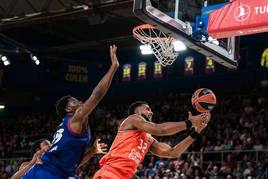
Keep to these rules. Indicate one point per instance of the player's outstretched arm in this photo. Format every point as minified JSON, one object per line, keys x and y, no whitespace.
{"x":100,"y":90}
{"x":168,"y":128}
{"x":26,"y":166}
{"x":164,"y":150}
{"x":97,"y":148}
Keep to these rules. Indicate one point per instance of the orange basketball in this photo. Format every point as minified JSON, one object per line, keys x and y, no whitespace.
{"x":203,"y":100}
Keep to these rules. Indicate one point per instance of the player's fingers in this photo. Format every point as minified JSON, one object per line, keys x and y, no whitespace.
{"x":189,"y":114}
{"x":103,"y":144}
{"x":205,"y":115}
{"x":103,"y":152}
{"x":205,"y":119}
{"x":104,"y":149}
{"x":111,"y":49}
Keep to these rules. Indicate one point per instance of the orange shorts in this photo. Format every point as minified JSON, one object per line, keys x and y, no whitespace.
{"x":107,"y":172}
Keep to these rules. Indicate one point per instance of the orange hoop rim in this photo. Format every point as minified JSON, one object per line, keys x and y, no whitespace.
{"x":142,"y":37}
{"x":143,"y":26}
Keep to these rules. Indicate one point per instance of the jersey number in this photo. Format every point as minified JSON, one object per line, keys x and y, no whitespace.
{"x":57,"y":136}
{"x":142,"y":146}
{"x":56,"y":139}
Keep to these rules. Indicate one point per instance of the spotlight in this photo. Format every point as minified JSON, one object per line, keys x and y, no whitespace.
{"x":6,"y":63}
{"x":35,"y":59}
{"x":2,"y":106}
{"x":5,"y":60}
{"x":146,"y":50}
{"x":37,"y":62}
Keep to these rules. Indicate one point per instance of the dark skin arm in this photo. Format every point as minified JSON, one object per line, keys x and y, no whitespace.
{"x":164,"y":150}
{"x":81,"y":115}
{"x":164,"y":129}
{"x":26,"y":166}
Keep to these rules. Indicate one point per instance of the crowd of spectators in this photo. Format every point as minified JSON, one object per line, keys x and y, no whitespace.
{"x":234,"y":145}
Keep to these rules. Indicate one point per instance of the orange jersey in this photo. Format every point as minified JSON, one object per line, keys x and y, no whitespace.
{"x":127,"y":151}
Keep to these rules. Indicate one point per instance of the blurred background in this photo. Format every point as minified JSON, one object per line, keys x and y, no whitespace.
{"x":53,"y":48}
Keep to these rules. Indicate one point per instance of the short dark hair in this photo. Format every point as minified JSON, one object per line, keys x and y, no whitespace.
{"x":36,"y":146}
{"x":61,"y":105}
{"x":133,"y":106}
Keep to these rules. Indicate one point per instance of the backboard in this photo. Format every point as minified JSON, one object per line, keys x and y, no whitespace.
{"x":180,"y":19}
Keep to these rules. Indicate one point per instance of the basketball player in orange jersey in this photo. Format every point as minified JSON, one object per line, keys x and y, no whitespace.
{"x":134,"y":140}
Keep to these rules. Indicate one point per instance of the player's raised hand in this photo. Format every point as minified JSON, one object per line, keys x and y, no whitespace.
{"x":113,"y":49}
{"x":100,"y":148}
{"x":199,"y":121}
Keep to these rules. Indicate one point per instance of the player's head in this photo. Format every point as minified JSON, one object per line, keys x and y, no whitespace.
{"x":67,"y":104}
{"x":45,"y":145}
{"x":142,"y":108}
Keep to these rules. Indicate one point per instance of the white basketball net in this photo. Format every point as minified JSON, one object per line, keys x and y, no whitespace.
{"x":160,"y":43}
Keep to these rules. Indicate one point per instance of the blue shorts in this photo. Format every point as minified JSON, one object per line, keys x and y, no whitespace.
{"x":38,"y":171}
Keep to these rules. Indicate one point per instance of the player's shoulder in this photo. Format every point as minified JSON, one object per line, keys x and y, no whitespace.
{"x":133,"y":118}
{"x":127,"y":123}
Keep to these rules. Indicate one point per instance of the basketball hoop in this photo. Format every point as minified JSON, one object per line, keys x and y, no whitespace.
{"x":160,"y":43}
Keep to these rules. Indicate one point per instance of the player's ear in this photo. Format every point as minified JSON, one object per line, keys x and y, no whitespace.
{"x":137,"y":111}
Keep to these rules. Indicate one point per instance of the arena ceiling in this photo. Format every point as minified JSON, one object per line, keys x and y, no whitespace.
{"x":63,"y":29}
{"x":55,"y":28}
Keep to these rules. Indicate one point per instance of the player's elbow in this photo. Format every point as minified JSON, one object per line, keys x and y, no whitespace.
{"x":173,"y":154}
{"x":98,"y":94}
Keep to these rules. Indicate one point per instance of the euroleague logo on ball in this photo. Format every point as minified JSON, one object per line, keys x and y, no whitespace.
{"x":242,"y":13}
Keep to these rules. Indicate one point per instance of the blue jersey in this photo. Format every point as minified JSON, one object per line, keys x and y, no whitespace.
{"x":66,"y":151}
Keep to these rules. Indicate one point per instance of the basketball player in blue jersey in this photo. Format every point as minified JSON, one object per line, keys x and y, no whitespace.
{"x":43,"y":145}
{"x":73,"y":134}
